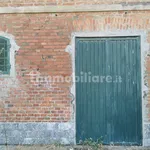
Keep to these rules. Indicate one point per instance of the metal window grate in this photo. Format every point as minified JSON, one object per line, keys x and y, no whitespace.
{"x":4,"y":56}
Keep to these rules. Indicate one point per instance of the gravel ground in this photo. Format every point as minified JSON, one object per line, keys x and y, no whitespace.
{"x":52,"y":147}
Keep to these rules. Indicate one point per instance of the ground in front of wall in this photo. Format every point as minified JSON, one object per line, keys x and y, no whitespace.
{"x":52,"y":147}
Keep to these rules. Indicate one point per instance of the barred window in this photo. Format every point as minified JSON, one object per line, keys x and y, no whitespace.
{"x":4,"y":56}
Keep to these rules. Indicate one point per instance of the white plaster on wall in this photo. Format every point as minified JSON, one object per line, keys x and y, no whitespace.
{"x":5,"y":85}
{"x":144,"y":53}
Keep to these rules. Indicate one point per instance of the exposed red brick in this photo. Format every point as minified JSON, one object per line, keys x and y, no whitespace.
{"x":42,"y":39}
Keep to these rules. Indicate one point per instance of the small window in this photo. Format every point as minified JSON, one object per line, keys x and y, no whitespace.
{"x":4,"y":56}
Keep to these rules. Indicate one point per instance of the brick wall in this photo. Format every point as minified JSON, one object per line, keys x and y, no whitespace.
{"x":42,"y":39}
{"x":4,"y":3}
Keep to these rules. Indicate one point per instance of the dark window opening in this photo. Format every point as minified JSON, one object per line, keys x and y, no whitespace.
{"x":4,"y":56}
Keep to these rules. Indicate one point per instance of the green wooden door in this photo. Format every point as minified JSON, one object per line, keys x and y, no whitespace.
{"x":108,"y":94}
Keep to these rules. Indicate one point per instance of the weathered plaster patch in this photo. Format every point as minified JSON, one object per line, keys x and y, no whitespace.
{"x":72,"y":89}
{"x":78,"y":8}
{"x":5,"y":85}
{"x":144,"y":53}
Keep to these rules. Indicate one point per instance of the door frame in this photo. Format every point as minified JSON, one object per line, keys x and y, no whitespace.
{"x":144,"y":88}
